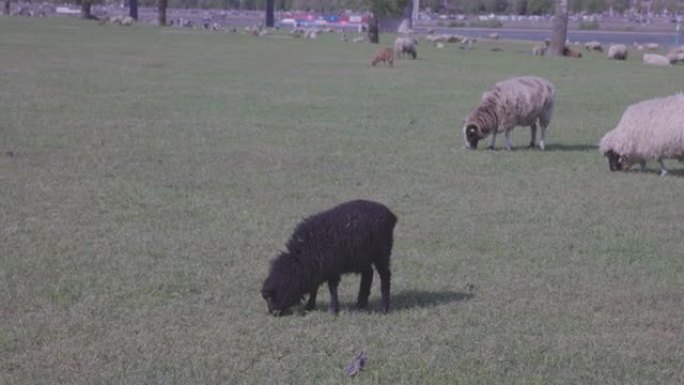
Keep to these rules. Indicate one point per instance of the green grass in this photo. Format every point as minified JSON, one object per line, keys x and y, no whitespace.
{"x":148,"y":176}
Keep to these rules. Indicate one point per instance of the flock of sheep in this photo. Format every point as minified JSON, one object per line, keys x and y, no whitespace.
{"x":620,"y":52}
{"x":648,"y":130}
{"x":357,"y":236}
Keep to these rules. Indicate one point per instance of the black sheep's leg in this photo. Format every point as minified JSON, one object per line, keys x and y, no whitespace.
{"x":533,"y":129}
{"x":334,"y":301}
{"x":384,"y":273}
{"x":364,"y":289}
{"x":311,"y":304}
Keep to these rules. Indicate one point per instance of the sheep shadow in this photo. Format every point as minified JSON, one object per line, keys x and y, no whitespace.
{"x":572,"y":147}
{"x":407,"y":299}
{"x":410,"y":299}
{"x":656,"y":171}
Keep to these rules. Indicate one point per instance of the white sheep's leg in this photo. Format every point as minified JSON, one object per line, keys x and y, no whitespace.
{"x":663,"y":170}
{"x":507,"y":135}
{"x":542,"y":140}
{"x":533,"y":129}
{"x":491,"y":146}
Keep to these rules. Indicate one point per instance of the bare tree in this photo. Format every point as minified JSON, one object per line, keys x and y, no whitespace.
{"x":7,"y":7}
{"x":162,"y":12}
{"x":560,"y":28}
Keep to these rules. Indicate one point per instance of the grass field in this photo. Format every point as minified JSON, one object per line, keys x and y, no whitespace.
{"x":148,"y":176}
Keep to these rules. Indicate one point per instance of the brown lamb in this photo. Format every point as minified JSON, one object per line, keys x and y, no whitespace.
{"x":385,"y":55}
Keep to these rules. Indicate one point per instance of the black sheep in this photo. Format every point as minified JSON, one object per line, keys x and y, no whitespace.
{"x":348,"y":238}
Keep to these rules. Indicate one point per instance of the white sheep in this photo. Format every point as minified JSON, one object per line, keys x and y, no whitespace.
{"x":593,"y":46}
{"x":655,"y":59}
{"x":519,"y":101}
{"x":404,"y":45}
{"x":127,"y":20}
{"x":539,"y":50}
{"x":676,"y":55}
{"x":617,"y":52}
{"x":648,"y":130}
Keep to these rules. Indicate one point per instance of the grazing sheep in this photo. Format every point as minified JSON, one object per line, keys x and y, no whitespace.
{"x":493,"y":36}
{"x":519,"y":101}
{"x":652,"y":46}
{"x":571,"y":52}
{"x":655,"y":59}
{"x":593,"y":46}
{"x":385,"y":55}
{"x":539,"y":50}
{"x":349,"y":238}
{"x":445,"y":38}
{"x":648,"y":130}
{"x":359,"y":39}
{"x":404,"y":45}
{"x":127,"y":21}
{"x":116,"y":19}
{"x":617,"y":52}
{"x":676,"y":55}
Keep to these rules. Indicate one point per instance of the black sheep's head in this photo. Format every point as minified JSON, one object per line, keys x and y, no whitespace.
{"x":281,"y":289}
{"x":472,"y":135}
{"x":614,"y":160}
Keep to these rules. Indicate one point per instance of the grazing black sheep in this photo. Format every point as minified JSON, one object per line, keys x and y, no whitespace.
{"x":348,"y":238}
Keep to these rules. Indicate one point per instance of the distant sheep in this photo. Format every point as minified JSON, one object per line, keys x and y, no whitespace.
{"x":404,"y":45}
{"x":539,"y":50}
{"x":655,"y":59}
{"x":349,"y":238}
{"x":617,"y":52}
{"x":359,"y":39}
{"x":571,"y":52}
{"x":676,"y":55}
{"x":593,"y":46}
{"x":648,"y":130}
{"x":385,"y":55}
{"x":652,"y":46}
{"x":519,"y":101}
{"x":445,"y":38}
{"x":493,"y":36}
{"x":127,"y":21}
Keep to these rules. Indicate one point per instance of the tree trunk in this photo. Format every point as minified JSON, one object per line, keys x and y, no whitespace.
{"x":270,"y":5}
{"x":373,"y":30}
{"x":85,"y":9}
{"x":7,"y":7}
{"x":560,"y":28}
{"x":162,"y":12}
{"x":414,"y":13}
{"x":133,"y":9}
